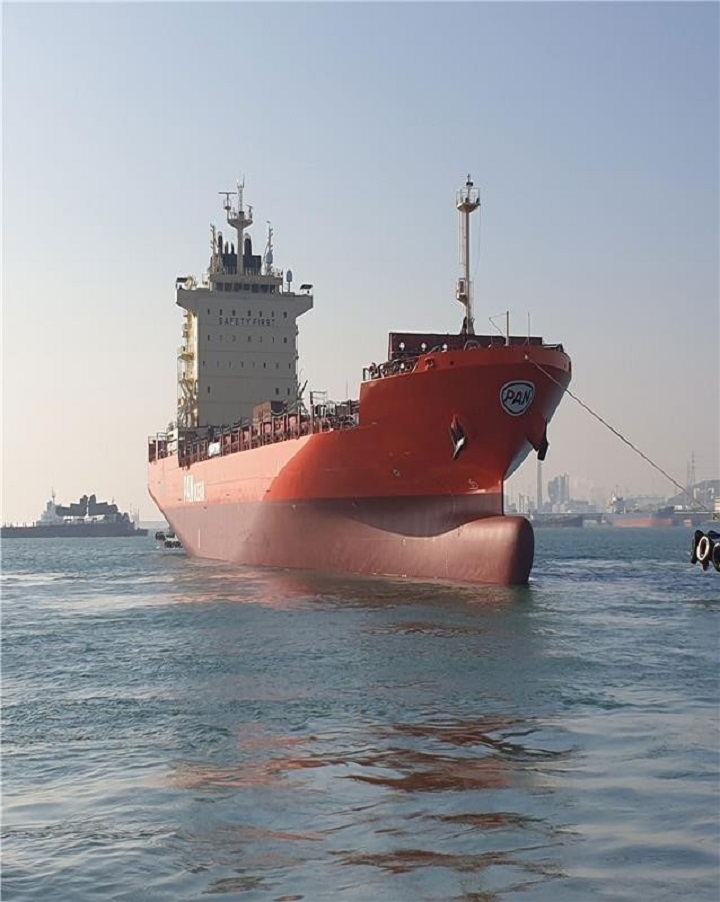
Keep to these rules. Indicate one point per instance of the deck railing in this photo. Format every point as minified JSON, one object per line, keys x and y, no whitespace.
{"x":192,"y":447}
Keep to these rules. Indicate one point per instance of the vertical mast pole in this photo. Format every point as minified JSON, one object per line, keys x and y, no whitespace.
{"x":467,"y":202}
{"x":468,"y":304}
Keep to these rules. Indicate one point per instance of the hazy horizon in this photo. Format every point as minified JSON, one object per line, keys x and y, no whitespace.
{"x":591,"y":130}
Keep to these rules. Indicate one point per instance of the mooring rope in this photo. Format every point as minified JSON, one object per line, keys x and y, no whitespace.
{"x":684,"y":491}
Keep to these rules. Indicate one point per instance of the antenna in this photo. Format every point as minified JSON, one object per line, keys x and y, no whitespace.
{"x":227,"y":206}
{"x":238,"y":219}
{"x":468,"y":200}
{"x":691,"y":478}
{"x":269,"y":250}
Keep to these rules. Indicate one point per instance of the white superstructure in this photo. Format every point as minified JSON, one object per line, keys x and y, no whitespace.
{"x":239,"y":345}
{"x":50,"y":516}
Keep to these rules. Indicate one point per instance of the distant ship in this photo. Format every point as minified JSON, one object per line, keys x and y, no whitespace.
{"x":87,"y":518}
{"x":557,"y":520}
{"x":407,"y":480}
{"x":620,"y":514}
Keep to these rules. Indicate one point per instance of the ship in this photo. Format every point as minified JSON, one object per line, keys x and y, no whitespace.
{"x":557,"y":520}
{"x":86,"y":518}
{"x":406,"y":480}
{"x":625,"y":515}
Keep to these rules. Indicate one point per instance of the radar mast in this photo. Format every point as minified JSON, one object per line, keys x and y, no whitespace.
{"x":238,"y":218}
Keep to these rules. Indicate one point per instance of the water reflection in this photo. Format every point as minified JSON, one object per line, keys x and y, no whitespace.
{"x":450,"y":795}
{"x":201,"y":581}
{"x":494,"y":734}
{"x":401,"y":861}
{"x":375,"y":735}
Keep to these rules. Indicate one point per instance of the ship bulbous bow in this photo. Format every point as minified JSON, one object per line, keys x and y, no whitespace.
{"x":419,"y":538}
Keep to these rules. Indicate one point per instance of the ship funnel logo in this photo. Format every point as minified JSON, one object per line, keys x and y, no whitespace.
{"x":516,"y":397}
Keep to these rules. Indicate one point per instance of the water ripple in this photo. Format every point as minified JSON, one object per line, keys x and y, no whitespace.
{"x":174,"y":730}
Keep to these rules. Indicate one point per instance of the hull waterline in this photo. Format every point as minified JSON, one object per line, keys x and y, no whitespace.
{"x":415,"y":537}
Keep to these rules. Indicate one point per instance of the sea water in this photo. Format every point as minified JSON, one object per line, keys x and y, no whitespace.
{"x":177,"y":729}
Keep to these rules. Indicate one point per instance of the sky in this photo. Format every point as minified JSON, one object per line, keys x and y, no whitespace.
{"x":591,"y":130}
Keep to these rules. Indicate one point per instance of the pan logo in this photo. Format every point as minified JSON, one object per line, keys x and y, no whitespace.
{"x":516,"y":397}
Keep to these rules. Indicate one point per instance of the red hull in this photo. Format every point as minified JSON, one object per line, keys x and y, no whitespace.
{"x":387,"y":496}
{"x":372,"y":537}
{"x":648,"y":522}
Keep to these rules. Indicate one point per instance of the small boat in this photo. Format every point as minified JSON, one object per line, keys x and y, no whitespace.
{"x":172,"y":541}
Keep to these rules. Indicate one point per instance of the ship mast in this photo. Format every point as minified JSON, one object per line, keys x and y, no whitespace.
{"x":468,"y":200}
{"x":239,"y":219}
{"x":268,"y":258}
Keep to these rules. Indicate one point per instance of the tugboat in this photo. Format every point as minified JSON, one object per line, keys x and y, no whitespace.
{"x":406,"y":480}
